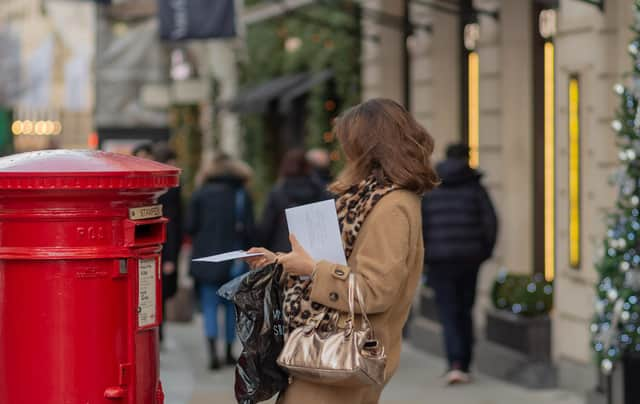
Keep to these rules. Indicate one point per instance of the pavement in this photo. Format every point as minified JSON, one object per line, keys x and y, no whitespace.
{"x":418,"y":381}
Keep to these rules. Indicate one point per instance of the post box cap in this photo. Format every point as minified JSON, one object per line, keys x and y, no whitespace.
{"x":83,"y":169}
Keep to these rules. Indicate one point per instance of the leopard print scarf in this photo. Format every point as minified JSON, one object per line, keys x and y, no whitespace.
{"x":353,"y":206}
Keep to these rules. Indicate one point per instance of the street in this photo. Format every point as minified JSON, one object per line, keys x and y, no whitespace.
{"x":186,"y":381}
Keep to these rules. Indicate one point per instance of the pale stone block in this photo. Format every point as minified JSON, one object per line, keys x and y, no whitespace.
{"x":579,"y":16}
{"x":602,"y":144}
{"x":155,"y":95}
{"x":422,"y":99}
{"x":190,"y":91}
{"x":516,"y":217}
{"x":571,"y":339}
{"x":573,"y":297}
{"x":489,"y":94}
{"x":370,"y":50}
{"x":491,"y":162}
{"x":490,"y":126}
{"x":446,"y":111}
{"x":421,"y":69}
{"x":489,"y":59}
{"x":371,"y":92}
{"x":571,"y":55}
{"x":371,"y":74}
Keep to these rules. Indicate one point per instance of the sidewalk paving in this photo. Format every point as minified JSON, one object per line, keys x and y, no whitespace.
{"x":186,"y":380}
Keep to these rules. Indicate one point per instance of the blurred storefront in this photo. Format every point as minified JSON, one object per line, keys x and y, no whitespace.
{"x":528,"y":84}
{"x":47,"y":83}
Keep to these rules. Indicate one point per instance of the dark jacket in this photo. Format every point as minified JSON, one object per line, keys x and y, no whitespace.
{"x":289,"y":193}
{"x":213,"y":224}
{"x":172,"y":210}
{"x":459,"y":221}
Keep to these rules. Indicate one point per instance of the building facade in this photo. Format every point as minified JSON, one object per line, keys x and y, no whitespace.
{"x":528,"y":84}
{"x":47,"y":79}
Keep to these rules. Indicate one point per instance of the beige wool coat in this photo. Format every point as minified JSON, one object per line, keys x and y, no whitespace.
{"x":388,"y":259}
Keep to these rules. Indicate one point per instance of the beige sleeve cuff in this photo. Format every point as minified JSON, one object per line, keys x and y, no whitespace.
{"x":330,"y":287}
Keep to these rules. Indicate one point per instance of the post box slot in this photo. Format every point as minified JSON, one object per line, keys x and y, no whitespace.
{"x":147,"y":232}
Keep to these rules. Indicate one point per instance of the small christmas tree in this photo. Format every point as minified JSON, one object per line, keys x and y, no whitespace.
{"x":616,"y":326}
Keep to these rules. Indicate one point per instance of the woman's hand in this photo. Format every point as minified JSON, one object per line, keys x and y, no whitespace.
{"x":298,"y":261}
{"x":260,"y":261}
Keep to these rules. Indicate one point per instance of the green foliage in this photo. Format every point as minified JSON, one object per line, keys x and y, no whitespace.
{"x":328,"y":34}
{"x":524,"y":295}
{"x":186,"y":139}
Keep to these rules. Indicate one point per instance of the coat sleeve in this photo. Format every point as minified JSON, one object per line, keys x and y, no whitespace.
{"x":249,"y":222}
{"x":489,"y":221}
{"x":193,"y":215}
{"x":269,"y":221}
{"x":380,"y":264}
{"x":173,"y":243}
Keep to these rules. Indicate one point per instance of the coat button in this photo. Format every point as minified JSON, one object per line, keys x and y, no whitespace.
{"x":333,"y":296}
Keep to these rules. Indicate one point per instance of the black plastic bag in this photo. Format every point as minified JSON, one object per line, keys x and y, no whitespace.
{"x":257,"y":296}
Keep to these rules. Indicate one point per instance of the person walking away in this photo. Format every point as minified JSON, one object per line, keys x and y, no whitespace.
{"x":143,"y":150}
{"x":320,"y":163}
{"x":295,"y":187}
{"x":171,"y":209}
{"x":220,"y":220}
{"x":459,"y":229}
{"x":387,"y":171}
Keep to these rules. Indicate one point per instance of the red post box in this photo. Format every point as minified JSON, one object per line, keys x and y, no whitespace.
{"x":80,"y":278}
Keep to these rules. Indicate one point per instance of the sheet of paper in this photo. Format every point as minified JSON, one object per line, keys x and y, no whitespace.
{"x":316,"y":228}
{"x":229,"y":256}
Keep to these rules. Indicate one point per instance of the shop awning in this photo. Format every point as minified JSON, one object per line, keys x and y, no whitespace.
{"x":283,"y":90}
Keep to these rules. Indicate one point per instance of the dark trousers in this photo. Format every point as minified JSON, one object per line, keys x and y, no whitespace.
{"x":455,"y":289}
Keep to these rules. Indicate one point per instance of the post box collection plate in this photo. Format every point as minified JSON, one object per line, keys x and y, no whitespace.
{"x":147,"y":298}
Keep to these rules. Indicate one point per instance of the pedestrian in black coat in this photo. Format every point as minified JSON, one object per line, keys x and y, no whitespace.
{"x":295,"y":187}
{"x":171,"y":209}
{"x":459,"y":230}
{"x":220,"y":220}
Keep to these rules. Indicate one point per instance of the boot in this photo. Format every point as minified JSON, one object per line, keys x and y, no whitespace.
{"x":214,"y":363}
{"x":231,"y":360}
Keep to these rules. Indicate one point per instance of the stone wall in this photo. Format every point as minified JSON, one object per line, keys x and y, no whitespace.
{"x":588,"y":43}
{"x":591,"y":45}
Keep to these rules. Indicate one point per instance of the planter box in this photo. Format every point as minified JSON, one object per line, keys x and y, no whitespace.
{"x":529,"y":336}
{"x":428,"y":307}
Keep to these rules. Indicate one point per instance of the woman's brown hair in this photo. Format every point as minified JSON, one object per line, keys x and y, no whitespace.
{"x":379,"y":137}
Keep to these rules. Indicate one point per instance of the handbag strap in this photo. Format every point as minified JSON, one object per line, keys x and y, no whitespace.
{"x":356,"y":294}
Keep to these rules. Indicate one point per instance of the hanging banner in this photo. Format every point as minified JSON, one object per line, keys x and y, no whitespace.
{"x":196,"y":19}
{"x":125,"y":63}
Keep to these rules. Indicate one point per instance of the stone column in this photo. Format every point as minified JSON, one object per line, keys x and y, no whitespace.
{"x":516,"y":218}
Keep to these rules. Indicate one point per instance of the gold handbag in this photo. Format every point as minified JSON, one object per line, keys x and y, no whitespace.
{"x":344,"y":357}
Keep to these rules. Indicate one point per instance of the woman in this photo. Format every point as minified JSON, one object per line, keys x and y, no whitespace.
{"x":220,"y":220}
{"x":295,"y":187}
{"x":388,"y":169}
